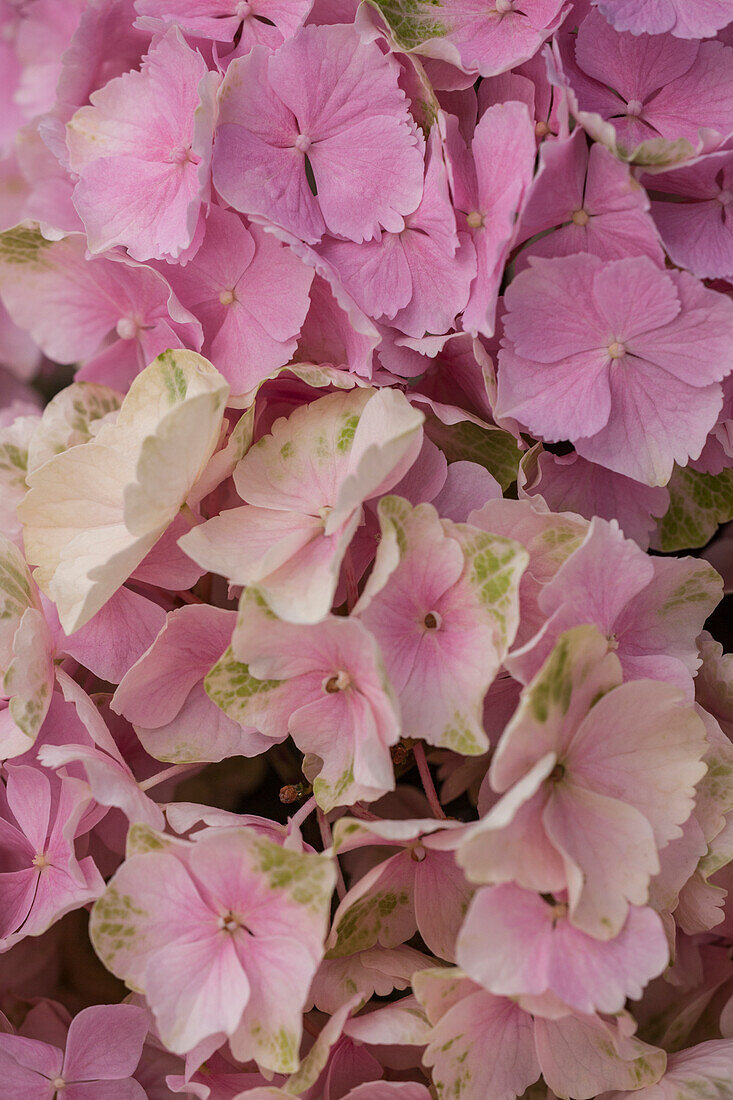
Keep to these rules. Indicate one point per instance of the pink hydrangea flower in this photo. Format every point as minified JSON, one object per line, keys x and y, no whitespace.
{"x":112,"y":317}
{"x":325,"y":685}
{"x":489,"y":197}
{"x":578,"y":1055}
{"x":102,"y":1050}
{"x":693,"y":210}
{"x":579,"y":812}
{"x":251,"y":295}
{"x":291,"y":536}
{"x":419,"y":278}
{"x":682,"y":18}
{"x":163,"y":693}
{"x":476,"y":37}
{"x":591,"y":202}
{"x":42,"y":878}
{"x":153,"y":130}
{"x":622,"y":359}
{"x":650,"y":87}
{"x":652,"y":614}
{"x":223,"y":935}
{"x":442,"y":603}
{"x":514,"y":942}
{"x":329,"y":101}
{"x":396,"y":898}
{"x":250,"y":22}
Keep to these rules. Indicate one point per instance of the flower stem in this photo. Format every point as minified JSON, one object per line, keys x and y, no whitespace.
{"x":427,"y":780}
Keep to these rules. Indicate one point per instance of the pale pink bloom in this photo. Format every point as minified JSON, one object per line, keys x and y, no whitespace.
{"x":569,"y":483}
{"x":11,"y":116}
{"x":112,"y":317}
{"x":223,"y":936}
{"x":443,"y":604}
{"x":650,"y":609}
{"x":696,"y":220}
{"x":399,"y":896}
{"x":331,"y":101}
{"x":515,"y":943}
{"x":682,"y":18}
{"x":102,"y":1050}
{"x":621,"y":358}
{"x":42,"y":35}
{"x":325,"y":685}
{"x":251,"y":22}
{"x":490,"y":1045}
{"x":291,"y":536}
{"x":41,"y":877}
{"x":702,"y":1070}
{"x":591,"y":202}
{"x":419,"y":278}
{"x":489,"y":183}
{"x":650,"y":87}
{"x":250,"y":293}
{"x":142,"y":152}
{"x":479,"y":37}
{"x":579,"y":811}
{"x":163,"y":694}
{"x":94,"y":512}
{"x":26,"y":655}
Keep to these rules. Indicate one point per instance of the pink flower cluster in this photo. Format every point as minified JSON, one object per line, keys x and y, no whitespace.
{"x":366,"y":451}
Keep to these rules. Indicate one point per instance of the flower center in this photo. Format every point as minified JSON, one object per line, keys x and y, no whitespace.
{"x":226,"y":297}
{"x":616,"y":350}
{"x":243,"y":9}
{"x":338,"y":682}
{"x":541,"y":129}
{"x":475,"y":219}
{"x":126,"y":328}
{"x":504,"y":6}
{"x":181,"y":155}
{"x":432,"y":621}
{"x":418,"y":852}
{"x":634,"y":108}
{"x":228,"y":922}
{"x":557,"y":773}
{"x":581,"y":217}
{"x":41,"y":860}
{"x":302,"y":143}
{"x":59,"y":1084}
{"x":725,"y":198}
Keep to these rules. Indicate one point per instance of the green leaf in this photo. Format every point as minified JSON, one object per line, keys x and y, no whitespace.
{"x":698,"y":504}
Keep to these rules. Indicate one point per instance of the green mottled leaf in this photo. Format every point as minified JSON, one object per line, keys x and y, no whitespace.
{"x":698,"y":504}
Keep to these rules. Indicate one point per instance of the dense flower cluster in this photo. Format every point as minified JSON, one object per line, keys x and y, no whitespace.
{"x":366,"y":408}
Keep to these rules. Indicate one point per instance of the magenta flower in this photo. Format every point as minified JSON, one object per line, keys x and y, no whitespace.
{"x":102,"y":1050}
{"x":590,"y":201}
{"x":622,"y":359}
{"x":251,"y":22}
{"x":651,"y":87}
{"x":693,"y":210}
{"x":328,"y":104}
{"x":682,"y":18}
